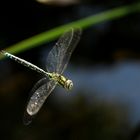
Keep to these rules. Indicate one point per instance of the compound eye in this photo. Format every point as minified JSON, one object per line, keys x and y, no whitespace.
{"x":69,"y":84}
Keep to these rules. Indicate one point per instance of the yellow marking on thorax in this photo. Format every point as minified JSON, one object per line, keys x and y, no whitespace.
{"x":62,"y":80}
{"x":58,"y":78}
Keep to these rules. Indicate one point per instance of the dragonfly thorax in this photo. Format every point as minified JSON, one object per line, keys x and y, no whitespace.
{"x":61,"y":80}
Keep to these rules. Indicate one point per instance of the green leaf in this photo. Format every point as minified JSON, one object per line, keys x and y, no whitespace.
{"x":86,"y":22}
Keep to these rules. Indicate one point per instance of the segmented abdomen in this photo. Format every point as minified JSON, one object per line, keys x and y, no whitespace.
{"x":24,"y":62}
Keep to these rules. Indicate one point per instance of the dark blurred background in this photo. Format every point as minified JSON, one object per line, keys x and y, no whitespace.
{"x":105,"y":69}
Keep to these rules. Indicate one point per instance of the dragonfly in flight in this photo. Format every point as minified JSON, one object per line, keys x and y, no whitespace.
{"x":57,"y":61}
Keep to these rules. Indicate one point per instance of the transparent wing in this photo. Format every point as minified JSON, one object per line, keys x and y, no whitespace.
{"x":60,"y":54}
{"x":41,"y":91}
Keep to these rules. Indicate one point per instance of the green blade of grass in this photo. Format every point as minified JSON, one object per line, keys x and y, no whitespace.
{"x":52,"y":34}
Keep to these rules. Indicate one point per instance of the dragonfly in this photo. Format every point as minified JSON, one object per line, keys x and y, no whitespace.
{"x":56,"y":63}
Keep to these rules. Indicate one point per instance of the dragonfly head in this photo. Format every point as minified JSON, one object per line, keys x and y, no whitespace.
{"x":69,"y":84}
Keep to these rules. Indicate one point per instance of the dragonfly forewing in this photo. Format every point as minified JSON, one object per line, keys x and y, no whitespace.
{"x":39,"y":95}
{"x":60,"y":54}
